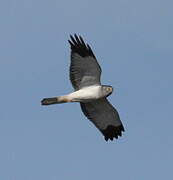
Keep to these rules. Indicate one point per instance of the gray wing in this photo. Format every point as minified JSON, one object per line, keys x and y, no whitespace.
{"x":104,"y":116}
{"x":84,"y":68}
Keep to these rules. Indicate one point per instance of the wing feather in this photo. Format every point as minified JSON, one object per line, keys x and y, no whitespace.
{"x":84,"y":68}
{"x":104,"y":116}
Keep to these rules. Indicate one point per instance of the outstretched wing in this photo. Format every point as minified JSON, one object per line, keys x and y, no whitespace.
{"x":104,"y":116}
{"x":84,"y":68}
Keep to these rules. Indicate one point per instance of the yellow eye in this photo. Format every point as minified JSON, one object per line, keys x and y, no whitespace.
{"x":109,"y":89}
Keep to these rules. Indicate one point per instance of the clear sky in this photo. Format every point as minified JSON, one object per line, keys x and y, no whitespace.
{"x":133,"y":42}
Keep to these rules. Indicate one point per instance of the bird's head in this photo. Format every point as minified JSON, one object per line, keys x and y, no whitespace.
{"x":107,"y":90}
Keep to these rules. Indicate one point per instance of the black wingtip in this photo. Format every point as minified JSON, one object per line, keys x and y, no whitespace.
{"x":112,"y":132}
{"x":78,"y":46}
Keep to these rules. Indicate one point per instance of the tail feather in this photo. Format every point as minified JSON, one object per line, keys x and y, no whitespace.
{"x":49,"y":101}
{"x":55,"y":100}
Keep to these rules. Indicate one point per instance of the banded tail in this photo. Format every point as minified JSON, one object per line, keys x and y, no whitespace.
{"x":55,"y":100}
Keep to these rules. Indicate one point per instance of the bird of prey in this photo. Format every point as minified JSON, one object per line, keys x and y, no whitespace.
{"x":85,"y":75}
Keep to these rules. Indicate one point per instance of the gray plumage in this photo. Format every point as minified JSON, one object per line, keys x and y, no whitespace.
{"x":85,"y":75}
{"x":84,"y":68}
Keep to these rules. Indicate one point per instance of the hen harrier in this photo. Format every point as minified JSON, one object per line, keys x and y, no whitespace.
{"x":85,"y":75}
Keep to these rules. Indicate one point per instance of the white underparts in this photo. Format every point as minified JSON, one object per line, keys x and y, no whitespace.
{"x":86,"y":94}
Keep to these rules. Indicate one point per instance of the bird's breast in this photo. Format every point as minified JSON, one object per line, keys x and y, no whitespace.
{"x":86,"y":94}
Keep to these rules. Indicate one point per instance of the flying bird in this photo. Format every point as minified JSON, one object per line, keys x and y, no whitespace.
{"x":85,"y":75}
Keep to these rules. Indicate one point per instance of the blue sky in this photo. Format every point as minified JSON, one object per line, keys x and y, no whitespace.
{"x":133,"y":43}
